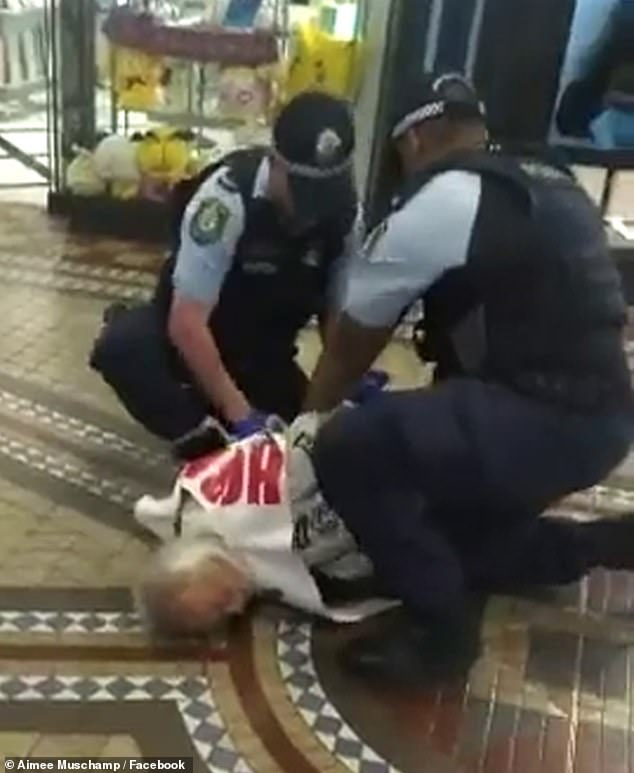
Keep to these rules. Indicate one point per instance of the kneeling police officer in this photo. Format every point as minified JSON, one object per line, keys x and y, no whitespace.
{"x":523,"y":319}
{"x":261,"y":241}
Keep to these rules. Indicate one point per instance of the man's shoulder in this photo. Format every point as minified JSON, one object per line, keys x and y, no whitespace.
{"x":221,"y":184}
{"x":450,"y":194}
{"x":448,"y":183}
{"x":216,"y":210}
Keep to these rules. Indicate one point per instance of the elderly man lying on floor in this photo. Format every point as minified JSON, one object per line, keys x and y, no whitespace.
{"x":251,"y":521}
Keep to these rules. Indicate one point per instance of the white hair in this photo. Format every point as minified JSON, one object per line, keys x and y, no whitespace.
{"x":171,"y":567}
{"x":185,"y":555}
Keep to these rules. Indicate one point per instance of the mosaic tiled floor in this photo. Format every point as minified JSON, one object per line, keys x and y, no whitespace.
{"x":553,"y":691}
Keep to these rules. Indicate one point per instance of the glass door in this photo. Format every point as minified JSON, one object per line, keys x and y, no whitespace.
{"x":24,"y":157}
{"x":146,"y":92}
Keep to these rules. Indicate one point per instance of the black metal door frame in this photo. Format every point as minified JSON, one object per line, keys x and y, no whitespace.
{"x":460,"y":35}
{"x":411,"y":25}
{"x":72,"y":81}
{"x":419,"y":35}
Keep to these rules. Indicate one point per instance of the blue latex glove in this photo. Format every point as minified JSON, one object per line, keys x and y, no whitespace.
{"x":371,"y":385}
{"x":254,"y":423}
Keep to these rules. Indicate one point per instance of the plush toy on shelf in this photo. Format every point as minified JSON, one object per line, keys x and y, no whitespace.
{"x":116,"y":164}
{"x":82,"y":178}
{"x":146,"y":165}
{"x":139,"y":79}
{"x":245,"y":93}
{"x":322,"y":62}
{"x":164,"y":157}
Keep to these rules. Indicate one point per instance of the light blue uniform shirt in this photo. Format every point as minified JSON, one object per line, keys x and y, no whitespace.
{"x":412,"y":249}
{"x":201,"y":268}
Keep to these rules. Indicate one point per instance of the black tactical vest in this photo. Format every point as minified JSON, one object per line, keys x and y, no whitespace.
{"x":278,"y":281}
{"x":538,"y":305}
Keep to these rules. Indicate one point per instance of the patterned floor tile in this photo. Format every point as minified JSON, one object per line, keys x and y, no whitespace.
{"x":192,"y":696}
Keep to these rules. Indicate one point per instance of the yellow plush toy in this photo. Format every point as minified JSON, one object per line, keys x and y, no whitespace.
{"x":165,"y":156}
{"x":321,"y":62}
{"x":138,"y":79}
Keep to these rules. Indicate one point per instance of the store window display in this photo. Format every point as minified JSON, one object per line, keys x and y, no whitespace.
{"x":209,"y":74}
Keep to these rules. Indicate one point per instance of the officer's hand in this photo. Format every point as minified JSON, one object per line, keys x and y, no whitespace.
{"x":371,"y":385}
{"x":254,"y":423}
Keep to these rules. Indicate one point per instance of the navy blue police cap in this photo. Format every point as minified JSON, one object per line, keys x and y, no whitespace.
{"x":314,"y":140}
{"x":425,"y":97}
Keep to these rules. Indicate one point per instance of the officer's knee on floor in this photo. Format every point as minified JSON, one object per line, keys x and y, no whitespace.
{"x":107,"y":350}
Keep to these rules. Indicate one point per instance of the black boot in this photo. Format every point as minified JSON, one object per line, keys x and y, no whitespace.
{"x":407,"y":653}
{"x":609,"y":542}
{"x":114,"y":310}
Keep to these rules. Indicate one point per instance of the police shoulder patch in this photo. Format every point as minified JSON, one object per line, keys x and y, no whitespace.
{"x":209,"y":221}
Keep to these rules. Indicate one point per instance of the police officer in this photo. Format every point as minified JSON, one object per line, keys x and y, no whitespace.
{"x":261,"y":240}
{"x":523,"y":319}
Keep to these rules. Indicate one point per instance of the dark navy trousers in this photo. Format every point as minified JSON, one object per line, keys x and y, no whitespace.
{"x":134,"y":357}
{"x":443,"y":488}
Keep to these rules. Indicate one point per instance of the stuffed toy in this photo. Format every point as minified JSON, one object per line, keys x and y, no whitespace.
{"x":164,"y":157}
{"x":116,"y":164}
{"x":320,"y":62}
{"x":244,"y":93}
{"x":139,"y":79}
{"x":147,"y":165}
{"x":82,"y":178}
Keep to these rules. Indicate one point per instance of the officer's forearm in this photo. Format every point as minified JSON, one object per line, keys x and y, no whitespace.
{"x":329,"y":383}
{"x":350,"y":351}
{"x":195,"y":342}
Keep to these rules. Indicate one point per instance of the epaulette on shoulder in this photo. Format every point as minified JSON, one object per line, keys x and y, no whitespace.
{"x":227,"y":182}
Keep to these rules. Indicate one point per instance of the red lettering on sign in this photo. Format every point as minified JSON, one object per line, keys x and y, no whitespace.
{"x":265,"y":470}
{"x":225,"y":486}
{"x":193,"y":469}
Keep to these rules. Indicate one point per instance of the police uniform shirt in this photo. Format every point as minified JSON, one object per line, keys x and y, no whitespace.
{"x":412,"y":249}
{"x":213,"y":223}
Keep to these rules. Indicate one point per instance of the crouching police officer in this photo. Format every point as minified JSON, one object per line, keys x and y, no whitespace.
{"x":262,"y":238}
{"x":523,"y":317}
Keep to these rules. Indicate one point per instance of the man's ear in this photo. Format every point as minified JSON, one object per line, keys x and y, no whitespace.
{"x":413,"y":142}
